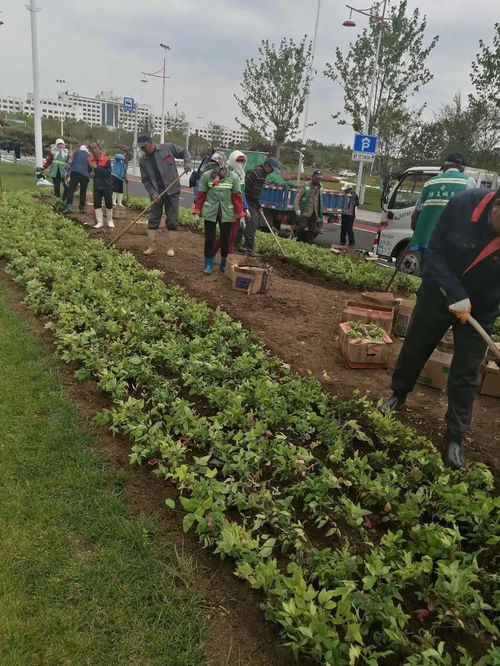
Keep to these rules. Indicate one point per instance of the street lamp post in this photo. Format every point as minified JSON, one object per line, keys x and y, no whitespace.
{"x":306,"y":109}
{"x":36,"y":85}
{"x":360,"y":190}
{"x":62,"y":83}
{"x":160,"y":74}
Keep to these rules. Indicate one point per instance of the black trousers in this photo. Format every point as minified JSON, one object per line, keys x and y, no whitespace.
{"x":307,"y":228}
{"x":430,"y":321}
{"x":210,"y":231}
{"x":346,"y":229}
{"x":98,"y":196}
{"x":56,"y":181}
{"x":117,"y":184}
{"x":75,"y":180}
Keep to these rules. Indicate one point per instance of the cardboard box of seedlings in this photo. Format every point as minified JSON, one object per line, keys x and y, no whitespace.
{"x":246,"y":274}
{"x":369,"y":313}
{"x":490,"y":384}
{"x":402,"y":315}
{"x":435,"y":372}
{"x":364,"y":345}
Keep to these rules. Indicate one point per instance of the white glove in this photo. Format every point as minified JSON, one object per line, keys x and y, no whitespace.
{"x":461,"y":310}
{"x":243,"y":224}
{"x":248,"y":214}
{"x":196,"y":218}
{"x":187,"y":168}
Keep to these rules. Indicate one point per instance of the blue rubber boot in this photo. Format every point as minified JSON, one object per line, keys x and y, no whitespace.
{"x":222,"y":265}
{"x":209,"y":265}
{"x":68,"y":208}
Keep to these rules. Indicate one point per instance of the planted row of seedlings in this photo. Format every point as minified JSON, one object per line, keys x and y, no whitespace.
{"x":367,"y":550}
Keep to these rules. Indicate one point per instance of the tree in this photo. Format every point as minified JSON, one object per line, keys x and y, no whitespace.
{"x":274,"y":89}
{"x":215,"y":134}
{"x":402,"y":71}
{"x":146,"y":126}
{"x":485,"y":73}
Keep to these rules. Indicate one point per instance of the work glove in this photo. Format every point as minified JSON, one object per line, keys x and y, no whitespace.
{"x":243,"y":223}
{"x":248,"y":214}
{"x":196,"y":218}
{"x":156,"y":199}
{"x":461,"y":310}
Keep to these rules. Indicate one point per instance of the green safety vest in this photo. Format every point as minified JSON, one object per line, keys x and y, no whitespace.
{"x":435,"y":196}
{"x":219,"y":197}
{"x":59,"y":165}
{"x":304,"y":202}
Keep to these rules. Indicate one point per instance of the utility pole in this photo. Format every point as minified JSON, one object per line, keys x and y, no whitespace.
{"x":306,"y":109}
{"x":165,"y":49}
{"x":187,"y":135}
{"x":134,"y":147}
{"x":36,"y":85}
{"x":360,"y":190}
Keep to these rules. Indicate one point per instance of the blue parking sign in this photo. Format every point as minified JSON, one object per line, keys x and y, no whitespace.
{"x":128,"y":103}
{"x":364,"y":143}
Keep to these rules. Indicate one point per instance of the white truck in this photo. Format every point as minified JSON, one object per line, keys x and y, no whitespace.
{"x":398,"y":204}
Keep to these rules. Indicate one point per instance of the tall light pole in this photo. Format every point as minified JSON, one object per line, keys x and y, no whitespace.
{"x":62,"y":82}
{"x":306,"y":109}
{"x":36,"y":85}
{"x":350,"y":24}
{"x":160,"y":74}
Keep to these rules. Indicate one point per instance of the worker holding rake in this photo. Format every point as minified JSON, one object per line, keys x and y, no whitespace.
{"x":461,"y":277}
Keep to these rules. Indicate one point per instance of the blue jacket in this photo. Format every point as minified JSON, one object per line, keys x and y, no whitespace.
{"x":79,"y":163}
{"x":462,"y":231}
{"x":119,"y":169}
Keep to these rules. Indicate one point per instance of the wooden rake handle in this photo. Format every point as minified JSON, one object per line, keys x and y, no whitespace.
{"x":273,"y":234}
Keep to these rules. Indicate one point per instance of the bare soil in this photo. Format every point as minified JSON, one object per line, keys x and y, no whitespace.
{"x":298,"y":320}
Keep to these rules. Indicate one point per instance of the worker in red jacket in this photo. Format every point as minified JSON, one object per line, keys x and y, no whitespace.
{"x":100,"y":170}
{"x":461,"y":276}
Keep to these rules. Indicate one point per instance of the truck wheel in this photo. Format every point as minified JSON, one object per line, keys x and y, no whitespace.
{"x":411,"y":262}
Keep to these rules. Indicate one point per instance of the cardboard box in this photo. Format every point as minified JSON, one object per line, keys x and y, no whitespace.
{"x":379,"y":298}
{"x":369,"y":314}
{"x":447,"y":342}
{"x":247,"y":275}
{"x":363,"y":353}
{"x":402,"y":315}
{"x":435,"y":372}
{"x":490,"y":384}
{"x":489,"y":354}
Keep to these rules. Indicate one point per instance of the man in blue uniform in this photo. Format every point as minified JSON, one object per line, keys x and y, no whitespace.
{"x":461,"y":276}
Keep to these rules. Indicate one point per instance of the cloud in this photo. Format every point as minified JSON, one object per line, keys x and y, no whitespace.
{"x":107,"y":44}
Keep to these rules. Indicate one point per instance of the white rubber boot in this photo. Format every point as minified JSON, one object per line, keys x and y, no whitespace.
{"x":99,"y":218}
{"x":152,"y":238}
{"x":109,"y":218}
{"x":115,"y":198}
{"x":119,"y":200}
{"x":171,"y":243}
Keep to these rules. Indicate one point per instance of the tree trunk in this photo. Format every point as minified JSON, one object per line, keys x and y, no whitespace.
{"x":278,"y":150}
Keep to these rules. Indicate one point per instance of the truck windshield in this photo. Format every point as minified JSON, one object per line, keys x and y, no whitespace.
{"x":408,"y":190}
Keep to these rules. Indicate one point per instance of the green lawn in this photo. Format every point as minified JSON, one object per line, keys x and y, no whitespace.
{"x":82,"y":579}
{"x":18,"y":177}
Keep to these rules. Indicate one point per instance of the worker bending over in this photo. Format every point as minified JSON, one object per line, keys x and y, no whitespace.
{"x":461,"y":275}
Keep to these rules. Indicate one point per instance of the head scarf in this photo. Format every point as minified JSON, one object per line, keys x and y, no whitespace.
{"x":237,"y":166}
{"x":219,"y":172}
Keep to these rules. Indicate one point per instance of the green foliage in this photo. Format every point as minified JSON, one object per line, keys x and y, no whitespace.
{"x":485,"y":74}
{"x":402,"y":70}
{"x":274,"y":89}
{"x":344,"y":518}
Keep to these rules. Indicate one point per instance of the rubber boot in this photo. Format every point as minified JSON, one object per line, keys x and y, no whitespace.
{"x":252,"y":252}
{"x":68,"y":208}
{"x":81,"y":209}
{"x":170,"y":243}
{"x":395,"y":402}
{"x":209,"y":265}
{"x":119,"y":199}
{"x":152,"y":238}
{"x":109,"y":218}
{"x":223,"y":263}
{"x":99,"y":218}
{"x":115,"y":197}
{"x":453,"y":452}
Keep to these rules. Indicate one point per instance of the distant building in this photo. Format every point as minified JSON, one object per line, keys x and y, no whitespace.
{"x":107,"y":109}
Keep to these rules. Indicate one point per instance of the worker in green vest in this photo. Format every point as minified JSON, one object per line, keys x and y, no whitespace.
{"x":435,"y":195}
{"x":57,"y":163}
{"x":308,"y":208}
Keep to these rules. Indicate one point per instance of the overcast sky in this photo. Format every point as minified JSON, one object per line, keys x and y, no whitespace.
{"x":106,"y":44}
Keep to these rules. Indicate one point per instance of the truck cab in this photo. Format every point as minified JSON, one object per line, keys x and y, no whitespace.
{"x":398,"y":203}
